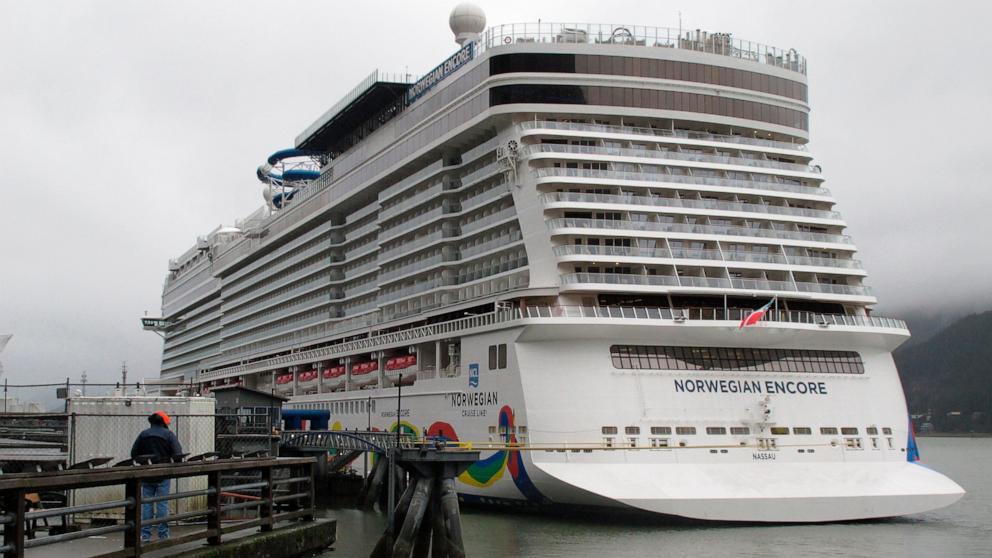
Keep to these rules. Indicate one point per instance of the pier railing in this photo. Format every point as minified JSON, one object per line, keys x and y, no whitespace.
{"x":277,"y":489}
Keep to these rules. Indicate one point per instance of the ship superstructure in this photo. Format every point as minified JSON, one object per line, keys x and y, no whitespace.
{"x":552,"y":238}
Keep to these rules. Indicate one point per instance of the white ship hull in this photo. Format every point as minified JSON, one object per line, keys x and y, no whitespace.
{"x":560,"y":389}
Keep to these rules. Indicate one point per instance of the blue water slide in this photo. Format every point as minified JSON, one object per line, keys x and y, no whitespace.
{"x":267,"y":173}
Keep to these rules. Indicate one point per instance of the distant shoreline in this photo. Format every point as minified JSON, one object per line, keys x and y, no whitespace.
{"x":954,"y":435}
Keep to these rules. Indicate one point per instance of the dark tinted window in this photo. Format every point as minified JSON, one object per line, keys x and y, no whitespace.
{"x":624,"y":97}
{"x":646,"y":67}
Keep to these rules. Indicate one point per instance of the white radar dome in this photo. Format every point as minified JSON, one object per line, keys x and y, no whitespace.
{"x":467,"y":21}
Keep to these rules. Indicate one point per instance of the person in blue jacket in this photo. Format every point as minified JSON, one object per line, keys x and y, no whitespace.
{"x":159,"y":444}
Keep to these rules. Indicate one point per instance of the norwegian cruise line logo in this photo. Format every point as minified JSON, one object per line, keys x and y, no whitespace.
{"x":473,"y":375}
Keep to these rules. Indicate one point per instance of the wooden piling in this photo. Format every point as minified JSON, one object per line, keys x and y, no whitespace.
{"x":414,"y":517}
{"x":453,"y":522}
{"x":379,"y":472}
{"x":439,"y":539}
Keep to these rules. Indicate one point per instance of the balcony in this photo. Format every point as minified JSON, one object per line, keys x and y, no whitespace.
{"x":411,"y":202}
{"x":727,"y":256}
{"x":574,"y":279}
{"x":651,"y":179}
{"x":659,"y":132}
{"x":565,"y":198}
{"x":485,"y":222}
{"x":415,"y":244}
{"x":502,"y":241}
{"x":410,"y":268}
{"x":661,"y":155}
{"x":557,"y":225}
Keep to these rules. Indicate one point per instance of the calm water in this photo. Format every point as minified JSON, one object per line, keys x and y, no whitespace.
{"x":964,"y":529}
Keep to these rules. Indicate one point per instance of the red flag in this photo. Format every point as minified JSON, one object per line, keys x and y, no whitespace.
{"x":755,"y":316}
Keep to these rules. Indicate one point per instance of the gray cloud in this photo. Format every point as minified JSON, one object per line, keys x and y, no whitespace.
{"x":127,"y":129}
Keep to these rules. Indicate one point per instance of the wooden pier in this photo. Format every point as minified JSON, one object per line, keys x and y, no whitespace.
{"x":280,"y":491}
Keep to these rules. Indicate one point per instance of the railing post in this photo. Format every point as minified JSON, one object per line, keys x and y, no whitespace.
{"x":265,"y":512}
{"x":13,"y":533}
{"x":311,"y":499}
{"x":132,"y":536}
{"x":213,"y":504}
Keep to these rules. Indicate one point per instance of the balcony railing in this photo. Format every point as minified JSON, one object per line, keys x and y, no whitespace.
{"x":728,"y":256}
{"x":661,"y":155}
{"x":662,"y":178}
{"x":412,"y":267}
{"x":503,"y":240}
{"x":659,"y":132}
{"x":570,"y":279}
{"x":658,"y":201}
{"x":414,"y":244}
{"x":484,"y":222}
{"x":572,"y":223}
{"x":411,"y":202}
{"x":387,"y":336}
{"x":639,"y":35}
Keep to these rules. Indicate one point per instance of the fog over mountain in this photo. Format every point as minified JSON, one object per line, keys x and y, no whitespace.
{"x":129,"y":128}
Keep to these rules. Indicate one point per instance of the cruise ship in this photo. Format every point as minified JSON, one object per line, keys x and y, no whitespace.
{"x":554,"y":244}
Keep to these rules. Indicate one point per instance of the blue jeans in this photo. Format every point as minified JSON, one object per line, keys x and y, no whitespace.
{"x":156,"y":509}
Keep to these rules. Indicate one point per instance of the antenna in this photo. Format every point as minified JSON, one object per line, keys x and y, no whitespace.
{"x":124,"y":376}
{"x":82,"y":380}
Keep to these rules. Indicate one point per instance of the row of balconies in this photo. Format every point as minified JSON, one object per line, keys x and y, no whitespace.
{"x":405,"y":227}
{"x":285,"y":249}
{"x":451,"y":234}
{"x":235,"y":302}
{"x":303,"y":305}
{"x":279,"y":298}
{"x":659,"y":134}
{"x":661,"y":155}
{"x":564,"y":198}
{"x":290,"y":260}
{"x":575,"y":281}
{"x":559,"y":225}
{"x":589,"y":176}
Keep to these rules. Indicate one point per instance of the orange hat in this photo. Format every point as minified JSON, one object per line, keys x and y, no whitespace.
{"x":165,"y":417}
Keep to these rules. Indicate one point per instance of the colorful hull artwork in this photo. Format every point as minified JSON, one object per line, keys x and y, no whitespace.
{"x":486,"y":472}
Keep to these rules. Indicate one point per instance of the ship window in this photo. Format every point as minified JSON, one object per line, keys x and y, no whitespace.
{"x":659,"y":442}
{"x":886,"y":430}
{"x":632,"y":430}
{"x":849,"y":431}
{"x":609,"y":430}
{"x":852,"y":443}
{"x":740,"y":430}
{"x":685,"y":430}
{"x":872,"y":430}
{"x":497,"y":356}
{"x":716,"y":430}
{"x":661,"y":430}
{"x":780,"y":430}
{"x":746,"y":359}
{"x":892,"y":444}
{"x":874,"y":443}
{"x":802,"y":430}
{"x":828,"y":431}
{"x":492,"y":429}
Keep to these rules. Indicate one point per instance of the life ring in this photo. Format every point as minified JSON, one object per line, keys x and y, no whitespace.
{"x":507,"y":40}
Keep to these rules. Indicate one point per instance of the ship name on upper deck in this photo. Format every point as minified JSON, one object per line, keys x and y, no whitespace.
{"x":443,"y":70}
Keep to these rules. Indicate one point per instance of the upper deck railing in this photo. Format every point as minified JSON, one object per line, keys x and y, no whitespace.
{"x":638,"y":35}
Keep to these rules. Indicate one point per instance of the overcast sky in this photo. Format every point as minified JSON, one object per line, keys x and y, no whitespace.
{"x":129,"y":128}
